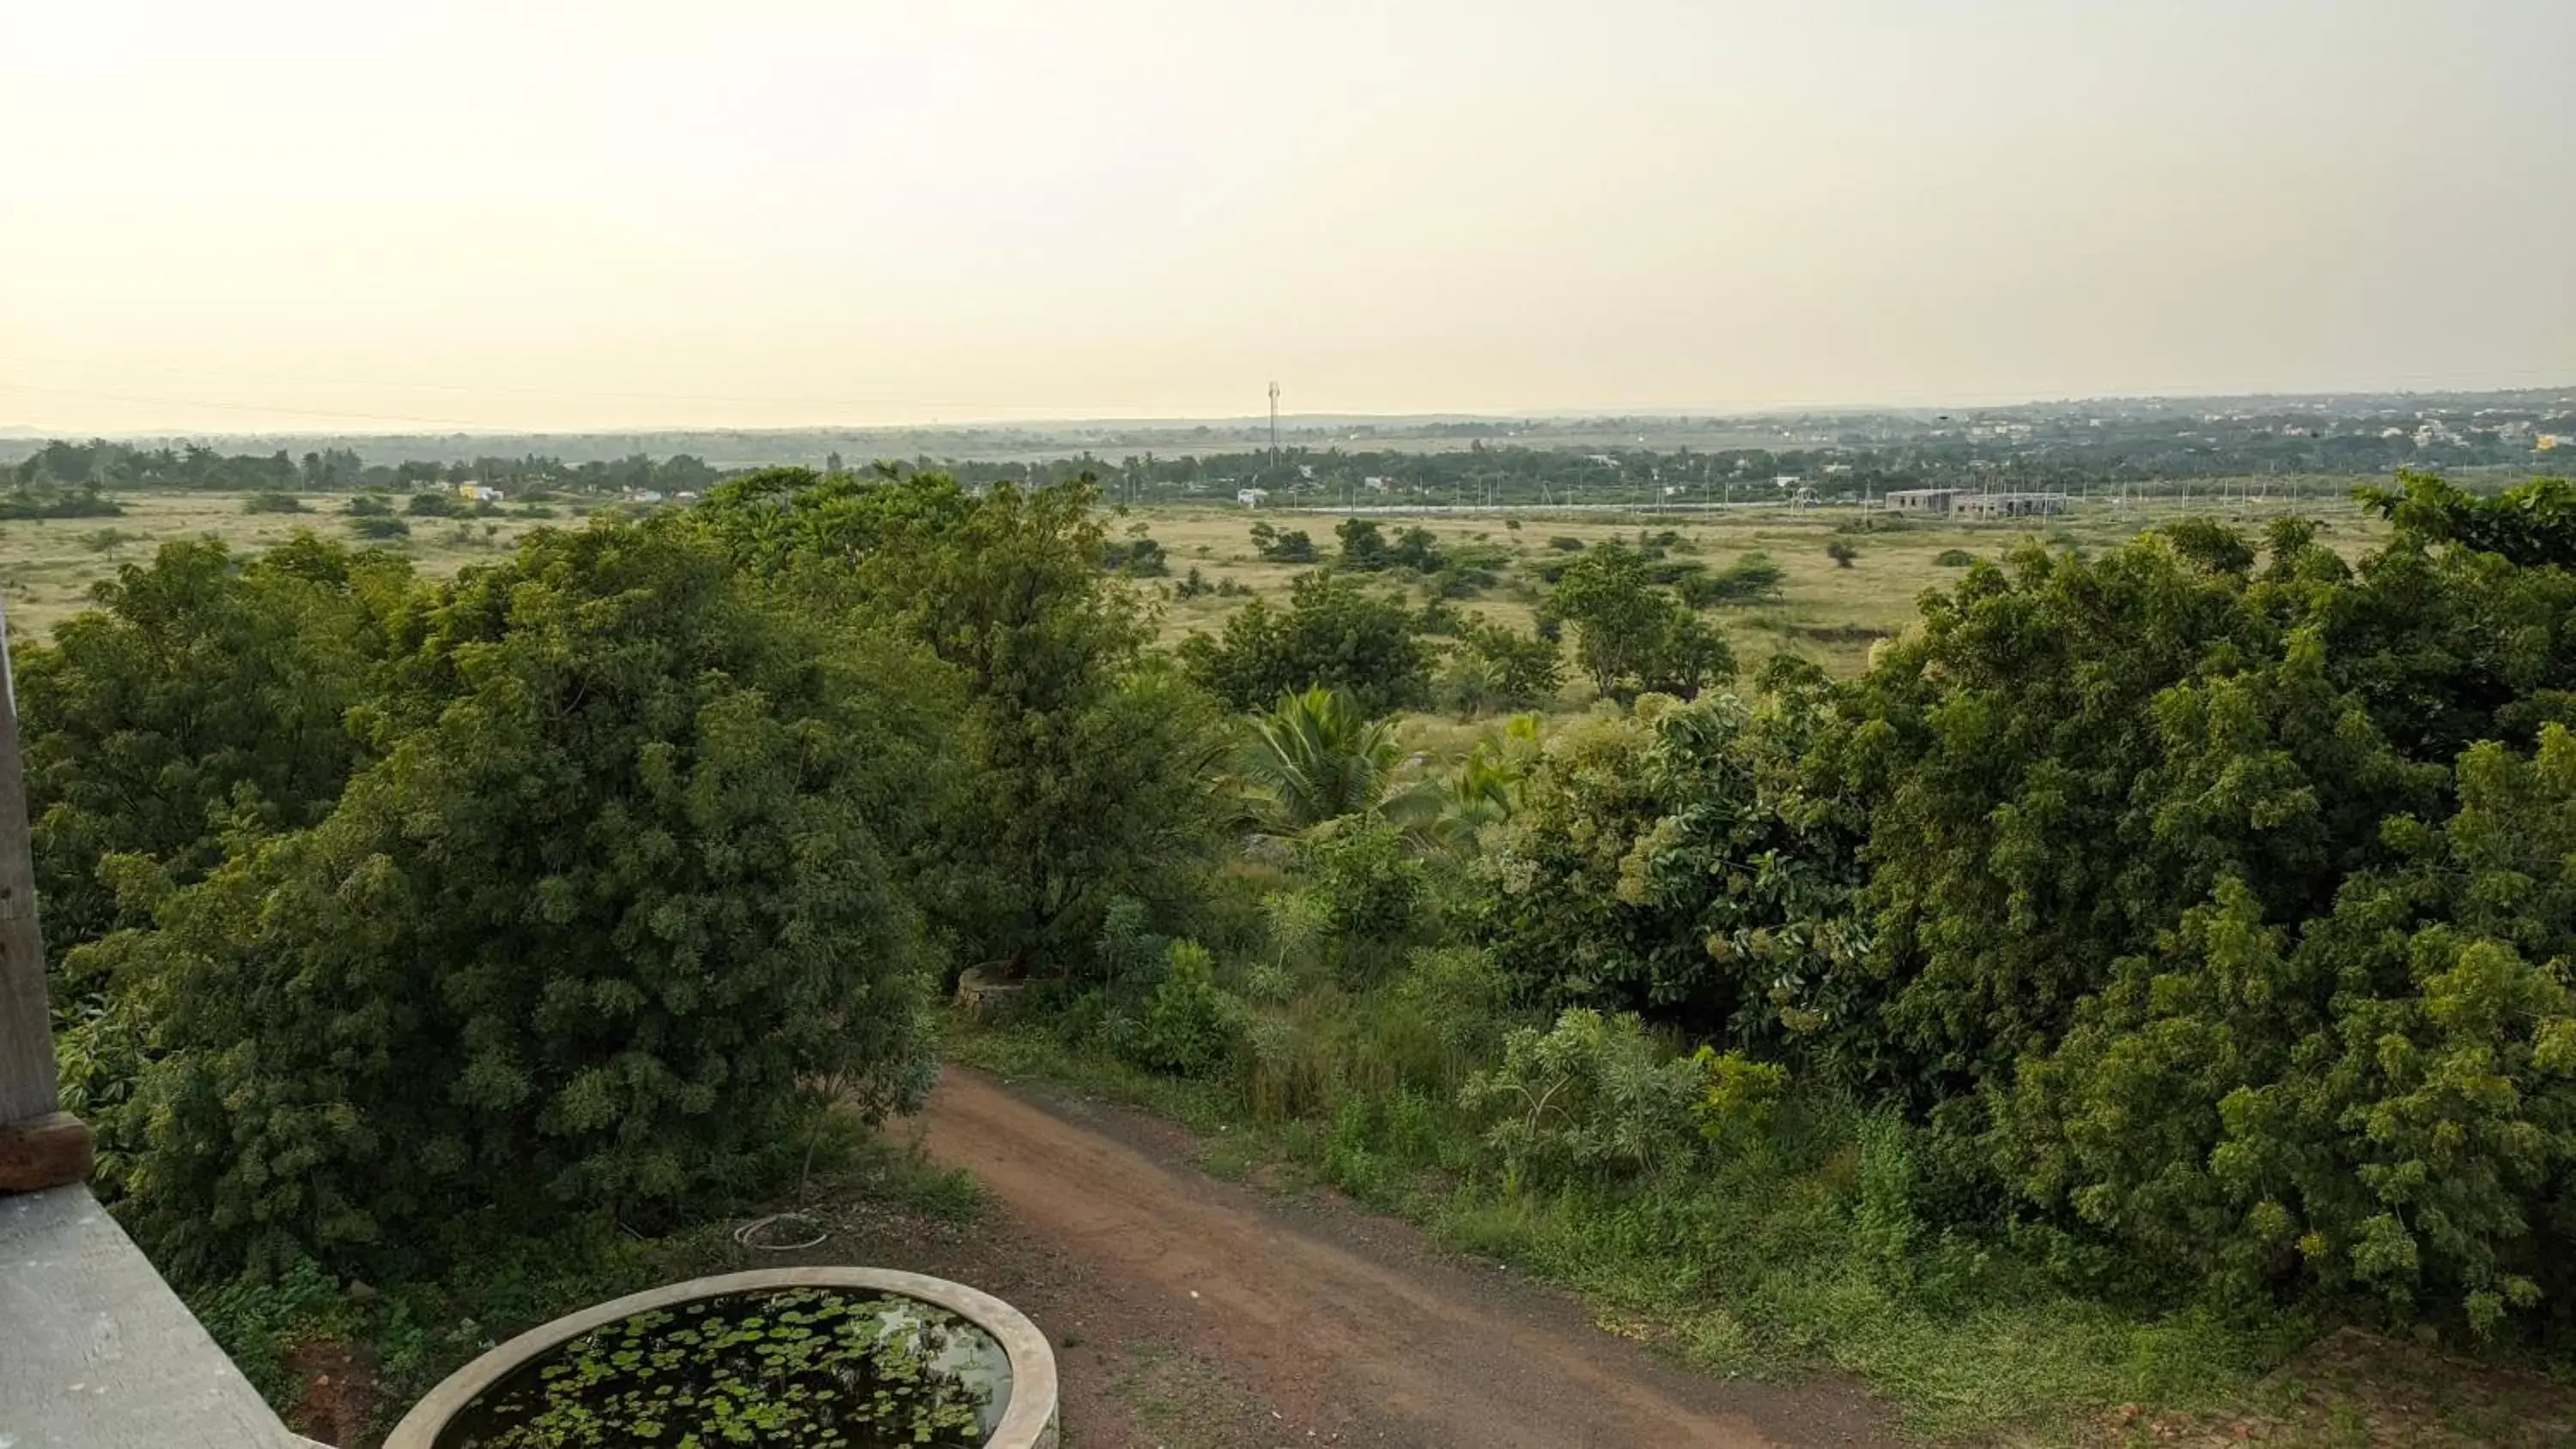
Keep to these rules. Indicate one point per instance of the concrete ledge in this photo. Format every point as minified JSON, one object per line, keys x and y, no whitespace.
{"x":96,"y":1352}
{"x":1028,"y":1420}
{"x":49,"y":1151}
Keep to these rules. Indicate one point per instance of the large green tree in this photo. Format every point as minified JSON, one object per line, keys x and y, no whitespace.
{"x":1632,"y":637}
{"x":1087,"y":761}
{"x":626,"y":887}
{"x":202,"y":702}
{"x":2169,"y":930}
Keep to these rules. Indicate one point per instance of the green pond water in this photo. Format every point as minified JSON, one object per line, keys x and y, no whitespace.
{"x":796,"y":1368}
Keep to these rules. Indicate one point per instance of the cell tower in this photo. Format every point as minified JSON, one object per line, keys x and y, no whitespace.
{"x":1274,"y":425}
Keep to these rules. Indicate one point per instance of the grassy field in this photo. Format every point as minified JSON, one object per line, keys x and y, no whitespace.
{"x":1824,"y":612}
{"x":47,"y":566}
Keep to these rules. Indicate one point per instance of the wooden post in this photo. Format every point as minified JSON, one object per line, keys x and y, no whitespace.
{"x":40,"y":1145}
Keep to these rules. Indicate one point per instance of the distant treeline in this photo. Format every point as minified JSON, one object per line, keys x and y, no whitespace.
{"x":2154,"y":452}
{"x":1505,"y":476}
{"x":105,"y":466}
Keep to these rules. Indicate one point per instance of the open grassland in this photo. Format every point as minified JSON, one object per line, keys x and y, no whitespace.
{"x":48,"y":566}
{"x":1824,"y":611}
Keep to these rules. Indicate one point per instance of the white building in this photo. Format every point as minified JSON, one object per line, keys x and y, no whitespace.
{"x":1252,"y":497}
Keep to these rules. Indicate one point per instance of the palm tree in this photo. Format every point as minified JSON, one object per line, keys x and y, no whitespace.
{"x":1315,"y":759}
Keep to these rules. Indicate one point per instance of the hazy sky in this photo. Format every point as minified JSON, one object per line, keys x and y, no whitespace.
{"x":381,"y":216}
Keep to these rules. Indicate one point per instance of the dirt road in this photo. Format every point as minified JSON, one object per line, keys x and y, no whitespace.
{"x":1341,"y":1324}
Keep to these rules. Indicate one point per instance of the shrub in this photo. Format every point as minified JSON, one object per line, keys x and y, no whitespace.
{"x":2223,"y":890}
{"x":379,"y":528}
{"x":1497,"y":668}
{"x":1592,"y":1097}
{"x":1335,"y":634}
{"x":1282,"y":546}
{"x":1954,"y":558}
{"x":1085,"y":757}
{"x":1371,"y":883}
{"x":435,"y":505}
{"x":1750,"y":579}
{"x":1686,"y":861}
{"x":1741,"y":1095}
{"x":1137,"y":556}
{"x":1841,"y":552}
{"x":1190,"y":1026}
{"x":1469,"y":686}
{"x":368,"y":505}
{"x":43,"y":501}
{"x":1630,"y":637}
{"x":274,"y":503}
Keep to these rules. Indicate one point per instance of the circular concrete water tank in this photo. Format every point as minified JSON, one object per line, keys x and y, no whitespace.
{"x":1028,"y":1418}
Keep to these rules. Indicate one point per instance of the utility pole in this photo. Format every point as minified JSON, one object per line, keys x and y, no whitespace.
{"x":40,"y":1144}
{"x":1274,"y":425}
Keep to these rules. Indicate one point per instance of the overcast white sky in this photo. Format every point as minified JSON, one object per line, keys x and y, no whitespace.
{"x":384,"y":216}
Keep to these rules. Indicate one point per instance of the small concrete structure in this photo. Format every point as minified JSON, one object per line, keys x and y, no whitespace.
{"x":2009,"y":505}
{"x":96,"y":1352}
{"x":983,"y":995}
{"x":1922,"y":500}
{"x":1028,"y":1418}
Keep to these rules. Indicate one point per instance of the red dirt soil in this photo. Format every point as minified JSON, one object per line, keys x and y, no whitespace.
{"x":1341,"y":1324}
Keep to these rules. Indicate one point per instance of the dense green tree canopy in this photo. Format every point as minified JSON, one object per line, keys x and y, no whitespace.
{"x":1336,"y":633}
{"x":1630,"y":636}
{"x":583,"y":937}
{"x":1085,"y":759}
{"x":202,"y":701}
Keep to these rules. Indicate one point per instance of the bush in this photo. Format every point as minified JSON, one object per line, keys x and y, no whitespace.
{"x":1954,"y":558}
{"x":1687,"y":862}
{"x":1841,"y":552}
{"x":368,"y":505}
{"x":379,"y":528}
{"x":1282,"y":546}
{"x":1632,"y":638}
{"x":1592,"y":1097}
{"x":436,"y":505}
{"x":1335,"y":634}
{"x":1497,"y":668}
{"x":1741,"y":1096}
{"x":1750,"y":579}
{"x":1137,"y":557}
{"x":1190,"y":1026}
{"x":274,"y":503}
{"x":43,"y":501}
{"x":1370,"y":882}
